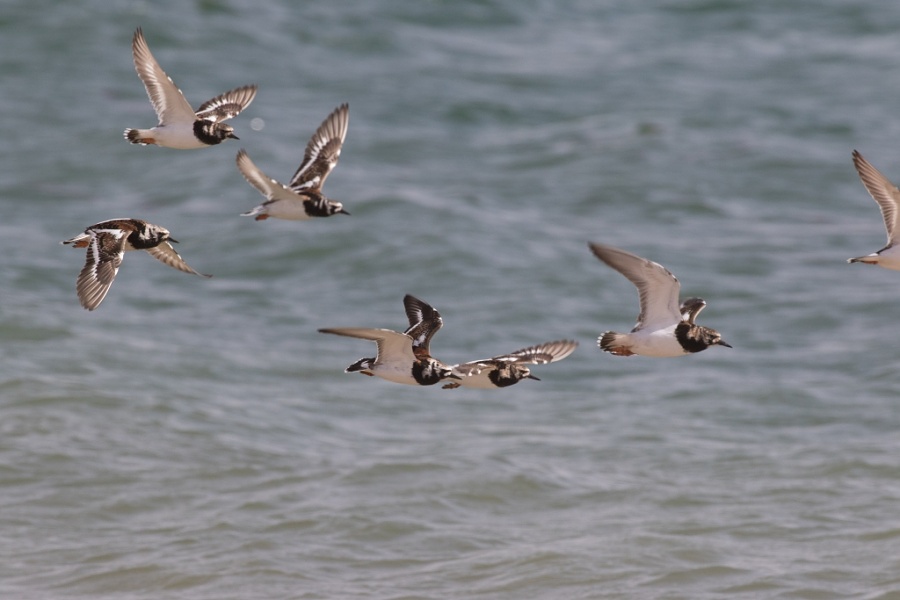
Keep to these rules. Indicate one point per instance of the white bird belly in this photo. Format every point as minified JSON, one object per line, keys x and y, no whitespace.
{"x":660,"y":343}
{"x":395,"y":373}
{"x":290,"y":210}
{"x":179,"y":138}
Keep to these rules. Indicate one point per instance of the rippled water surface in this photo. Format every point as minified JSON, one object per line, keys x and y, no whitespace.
{"x":198,"y":439}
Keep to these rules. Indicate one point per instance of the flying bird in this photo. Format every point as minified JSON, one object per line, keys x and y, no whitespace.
{"x":402,"y":357}
{"x":302,"y":198}
{"x":886,"y":195}
{"x":107,"y":242}
{"x":508,"y":369}
{"x":664,"y":327}
{"x":179,"y":125}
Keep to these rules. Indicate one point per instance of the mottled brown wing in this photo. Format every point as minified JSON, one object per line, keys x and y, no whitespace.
{"x":227,"y":105}
{"x":166,"y":254}
{"x":323,"y":150}
{"x":104,"y":256}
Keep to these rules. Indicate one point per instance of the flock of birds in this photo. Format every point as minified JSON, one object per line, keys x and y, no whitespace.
{"x":665,"y":327}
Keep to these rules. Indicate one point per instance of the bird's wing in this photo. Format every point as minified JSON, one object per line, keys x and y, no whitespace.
{"x":389,"y":343}
{"x":690,"y":308}
{"x":474,"y":367}
{"x":228,"y":105}
{"x":104,"y":255}
{"x":167,"y":100}
{"x":882,"y":191}
{"x":166,"y":254}
{"x":268,"y":187}
{"x":540,"y":354}
{"x":658,"y":289}
{"x":323,"y":150}
{"x":424,"y":322}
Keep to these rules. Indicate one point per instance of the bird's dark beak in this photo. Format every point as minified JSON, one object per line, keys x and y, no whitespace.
{"x":173,"y":240}
{"x":343,"y":212}
{"x":453,"y":376}
{"x":724,"y":343}
{"x":533,"y":377}
{"x":232,"y":136}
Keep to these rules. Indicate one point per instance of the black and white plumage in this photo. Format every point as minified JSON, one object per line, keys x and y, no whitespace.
{"x":302,"y":198}
{"x":402,"y":357}
{"x":106,"y":243}
{"x":179,"y":125}
{"x":887,"y":196}
{"x":424,"y":322}
{"x":664,"y":327}
{"x":508,"y":369}
{"x":690,"y":308}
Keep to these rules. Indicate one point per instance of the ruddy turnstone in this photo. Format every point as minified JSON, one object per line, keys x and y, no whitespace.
{"x":886,"y":195}
{"x":302,"y":198}
{"x":179,"y":125}
{"x":402,"y":357}
{"x":664,"y":328}
{"x":107,"y":241}
{"x":508,"y":369}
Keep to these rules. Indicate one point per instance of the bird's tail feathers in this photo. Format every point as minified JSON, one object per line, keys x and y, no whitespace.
{"x":609,"y":340}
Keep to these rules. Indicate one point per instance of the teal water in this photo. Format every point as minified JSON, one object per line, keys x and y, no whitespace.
{"x":197,"y":439}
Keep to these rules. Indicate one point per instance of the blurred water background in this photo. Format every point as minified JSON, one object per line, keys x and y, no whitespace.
{"x":198,"y":439}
